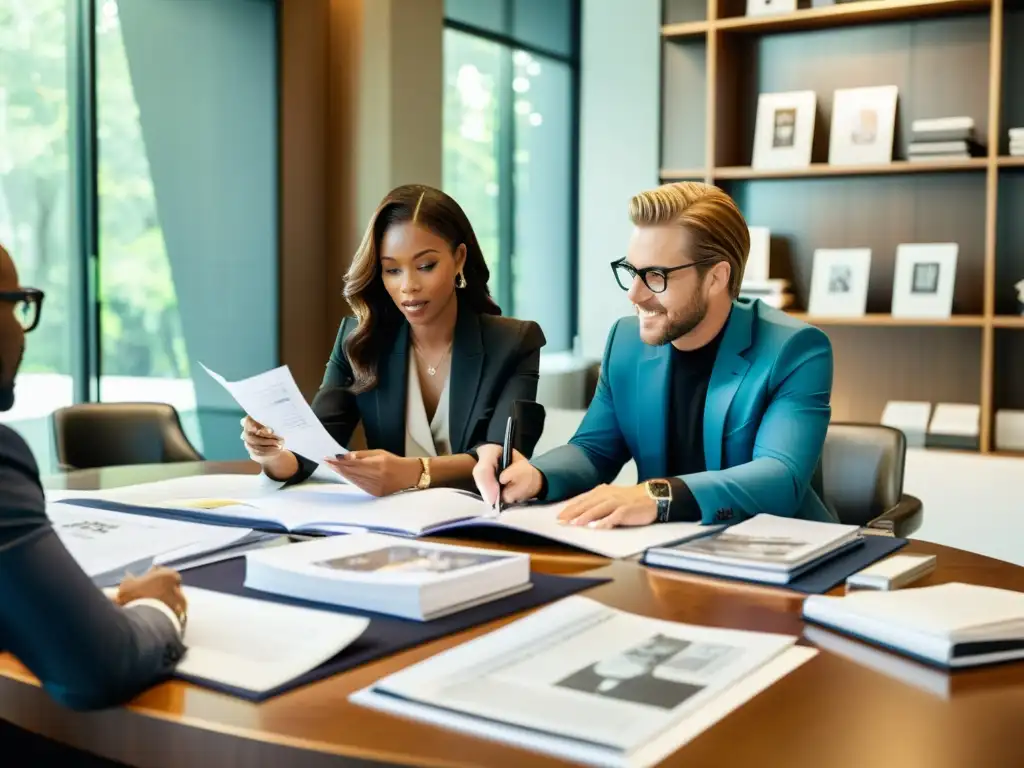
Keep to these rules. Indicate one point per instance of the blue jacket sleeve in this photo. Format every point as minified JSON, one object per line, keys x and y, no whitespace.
{"x":788,"y":442}
{"x":597,"y":452}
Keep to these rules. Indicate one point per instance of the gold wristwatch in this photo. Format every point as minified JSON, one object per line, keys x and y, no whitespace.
{"x":424,"y":481}
{"x":661,"y":492}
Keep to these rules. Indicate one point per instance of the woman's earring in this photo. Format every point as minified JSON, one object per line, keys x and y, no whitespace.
{"x":460,"y":280}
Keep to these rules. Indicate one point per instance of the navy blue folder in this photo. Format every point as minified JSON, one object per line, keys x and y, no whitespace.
{"x":824,"y":576}
{"x":386,"y":634}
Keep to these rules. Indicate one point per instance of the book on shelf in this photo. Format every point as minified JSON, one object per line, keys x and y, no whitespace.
{"x":954,"y":425}
{"x":773,"y":291}
{"x":950,"y":625}
{"x":765,"y":548}
{"x":943,"y":149}
{"x":932,"y":125}
{"x":910,"y":417}
{"x":385,"y":574}
{"x":333,"y":508}
{"x":257,"y":645}
{"x":553,"y":681}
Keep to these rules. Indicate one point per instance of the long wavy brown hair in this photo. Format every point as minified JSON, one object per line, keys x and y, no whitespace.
{"x":364,"y":289}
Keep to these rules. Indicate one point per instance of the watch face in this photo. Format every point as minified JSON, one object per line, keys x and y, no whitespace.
{"x":659,"y":489}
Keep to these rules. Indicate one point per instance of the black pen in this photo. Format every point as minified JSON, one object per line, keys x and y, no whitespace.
{"x":506,"y":456}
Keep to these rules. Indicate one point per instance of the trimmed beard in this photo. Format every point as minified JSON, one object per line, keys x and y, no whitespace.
{"x":692,"y":316}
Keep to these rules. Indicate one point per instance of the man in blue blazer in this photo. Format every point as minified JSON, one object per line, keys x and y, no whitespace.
{"x":722,"y":402}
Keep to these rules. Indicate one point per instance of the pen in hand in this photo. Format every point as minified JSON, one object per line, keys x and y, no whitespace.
{"x":506,"y":458}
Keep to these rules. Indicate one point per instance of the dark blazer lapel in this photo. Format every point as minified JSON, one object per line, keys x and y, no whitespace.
{"x":391,"y":392}
{"x":466,"y":368}
{"x":653,"y":380}
{"x":729,"y":369}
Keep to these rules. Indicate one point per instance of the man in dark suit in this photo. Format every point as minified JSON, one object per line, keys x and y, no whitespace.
{"x":87,"y":651}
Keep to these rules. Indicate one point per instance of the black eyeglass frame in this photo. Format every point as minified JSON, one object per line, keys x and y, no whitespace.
{"x":642,"y":272}
{"x":32,"y":297}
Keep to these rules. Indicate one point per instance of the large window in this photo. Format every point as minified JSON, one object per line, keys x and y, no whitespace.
{"x":138,"y":188}
{"x":510,"y":113}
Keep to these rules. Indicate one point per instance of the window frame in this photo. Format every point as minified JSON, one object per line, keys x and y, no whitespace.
{"x":507,"y":149}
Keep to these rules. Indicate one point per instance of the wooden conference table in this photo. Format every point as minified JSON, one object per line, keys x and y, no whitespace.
{"x":831,"y":711}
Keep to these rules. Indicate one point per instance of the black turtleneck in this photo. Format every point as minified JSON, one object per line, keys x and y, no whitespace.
{"x":691,"y":372}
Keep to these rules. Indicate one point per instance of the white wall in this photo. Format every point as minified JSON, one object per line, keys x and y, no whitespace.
{"x":619,"y":128}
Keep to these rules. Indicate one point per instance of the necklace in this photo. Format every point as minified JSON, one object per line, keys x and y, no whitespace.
{"x":432,"y":369}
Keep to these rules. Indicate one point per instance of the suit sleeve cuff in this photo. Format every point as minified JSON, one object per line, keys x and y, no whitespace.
{"x":684,"y":507}
{"x":542,"y":494}
{"x":150,"y":602}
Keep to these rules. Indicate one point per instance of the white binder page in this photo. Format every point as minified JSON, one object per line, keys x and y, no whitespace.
{"x":258,"y":645}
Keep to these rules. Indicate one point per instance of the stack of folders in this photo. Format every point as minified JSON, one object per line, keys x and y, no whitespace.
{"x":385,"y":574}
{"x":944,"y":138}
{"x":950,"y":625}
{"x":766,"y":548}
{"x":590,"y":683}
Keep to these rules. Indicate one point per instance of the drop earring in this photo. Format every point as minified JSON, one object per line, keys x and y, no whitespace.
{"x":460,"y":280}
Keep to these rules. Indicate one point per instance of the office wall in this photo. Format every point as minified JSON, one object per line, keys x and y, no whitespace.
{"x":619,"y":126}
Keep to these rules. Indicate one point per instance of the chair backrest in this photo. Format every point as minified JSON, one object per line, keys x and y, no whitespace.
{"x":861,"y":470}
{"x":94,"y":435}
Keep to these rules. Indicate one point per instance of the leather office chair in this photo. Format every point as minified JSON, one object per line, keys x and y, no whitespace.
{"x":94,"y":435}
{"x":860,"y":477}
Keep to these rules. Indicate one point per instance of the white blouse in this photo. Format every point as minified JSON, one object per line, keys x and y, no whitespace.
{"x":423,"y":438}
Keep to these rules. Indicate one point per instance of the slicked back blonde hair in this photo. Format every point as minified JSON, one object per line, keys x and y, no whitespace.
{"x":716,"y":226}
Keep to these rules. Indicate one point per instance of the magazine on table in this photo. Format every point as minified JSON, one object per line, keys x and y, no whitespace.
{"x":555,"y":681}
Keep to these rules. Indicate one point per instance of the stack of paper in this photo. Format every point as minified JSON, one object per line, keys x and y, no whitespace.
{"x":766,"y":548}
{"x":950,"y":625}
{"x":414,"y":580}
{"x":110,"y":545}
{"x":589,"y":683}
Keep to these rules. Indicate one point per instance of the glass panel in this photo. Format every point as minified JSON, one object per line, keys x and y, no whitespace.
{"x":489,"y":15}
{"x":542,"y":179}
{"x":188,"y":205}
{"x":546,"y":24}
{"x":471,"y":133}
{"x":34,"y":202}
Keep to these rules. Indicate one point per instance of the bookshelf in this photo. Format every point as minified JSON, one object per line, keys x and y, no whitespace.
{"x":947,"y":57}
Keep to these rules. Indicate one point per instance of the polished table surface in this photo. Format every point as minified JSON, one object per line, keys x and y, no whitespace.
{"x":829,"y":712}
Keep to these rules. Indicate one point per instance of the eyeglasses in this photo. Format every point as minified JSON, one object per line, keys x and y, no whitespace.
{"x":655,"y":278}
{"x":28,"y":306}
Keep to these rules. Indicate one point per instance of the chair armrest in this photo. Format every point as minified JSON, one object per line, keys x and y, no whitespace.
{"x":902,"y":519}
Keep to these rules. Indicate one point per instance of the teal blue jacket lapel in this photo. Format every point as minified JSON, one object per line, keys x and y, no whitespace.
{"x":728,"y":372}
{"x":654,"y":379}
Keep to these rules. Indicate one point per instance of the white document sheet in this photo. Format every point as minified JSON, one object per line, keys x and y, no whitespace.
{"x":556,"y":679}
{"x":258,"y":645}
{"x":274,"y":400}
{"x":107,"y":545}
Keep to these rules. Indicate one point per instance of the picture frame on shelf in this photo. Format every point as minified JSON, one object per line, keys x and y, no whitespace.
{"x":924,"y":280}
{"x":839,"y":282}
{"x":863,"y":125}
{"x":784,"y":129}
{"x":770,"y":7}
{"x":757,"y":268}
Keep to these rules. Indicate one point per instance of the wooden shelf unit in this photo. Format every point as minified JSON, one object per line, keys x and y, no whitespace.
{"x":948,"y":57}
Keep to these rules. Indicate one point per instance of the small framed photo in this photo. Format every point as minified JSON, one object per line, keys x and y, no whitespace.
{"x":863,"y":125}
{"x":770,"y":7}
{"x":784,"y":130}
{"x":924,"y":281}
{"x":839,"y":282}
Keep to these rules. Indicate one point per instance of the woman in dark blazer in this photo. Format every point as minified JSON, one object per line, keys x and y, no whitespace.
{"x":427,"y":363}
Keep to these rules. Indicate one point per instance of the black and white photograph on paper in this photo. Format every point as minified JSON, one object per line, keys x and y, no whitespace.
{"x":925,"y":279}
{"x":633,"y":674}
{"x":863,"y":125}
{"x":768,"y":548}
{"x":784,"y":129}
{"x":839,"y":282}
{"x":407,"y":559}
{"x":839,"y":278}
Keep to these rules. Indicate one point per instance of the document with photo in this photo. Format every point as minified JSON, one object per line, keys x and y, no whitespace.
{"x":408,"y":558}
{"x":556,"y":679}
